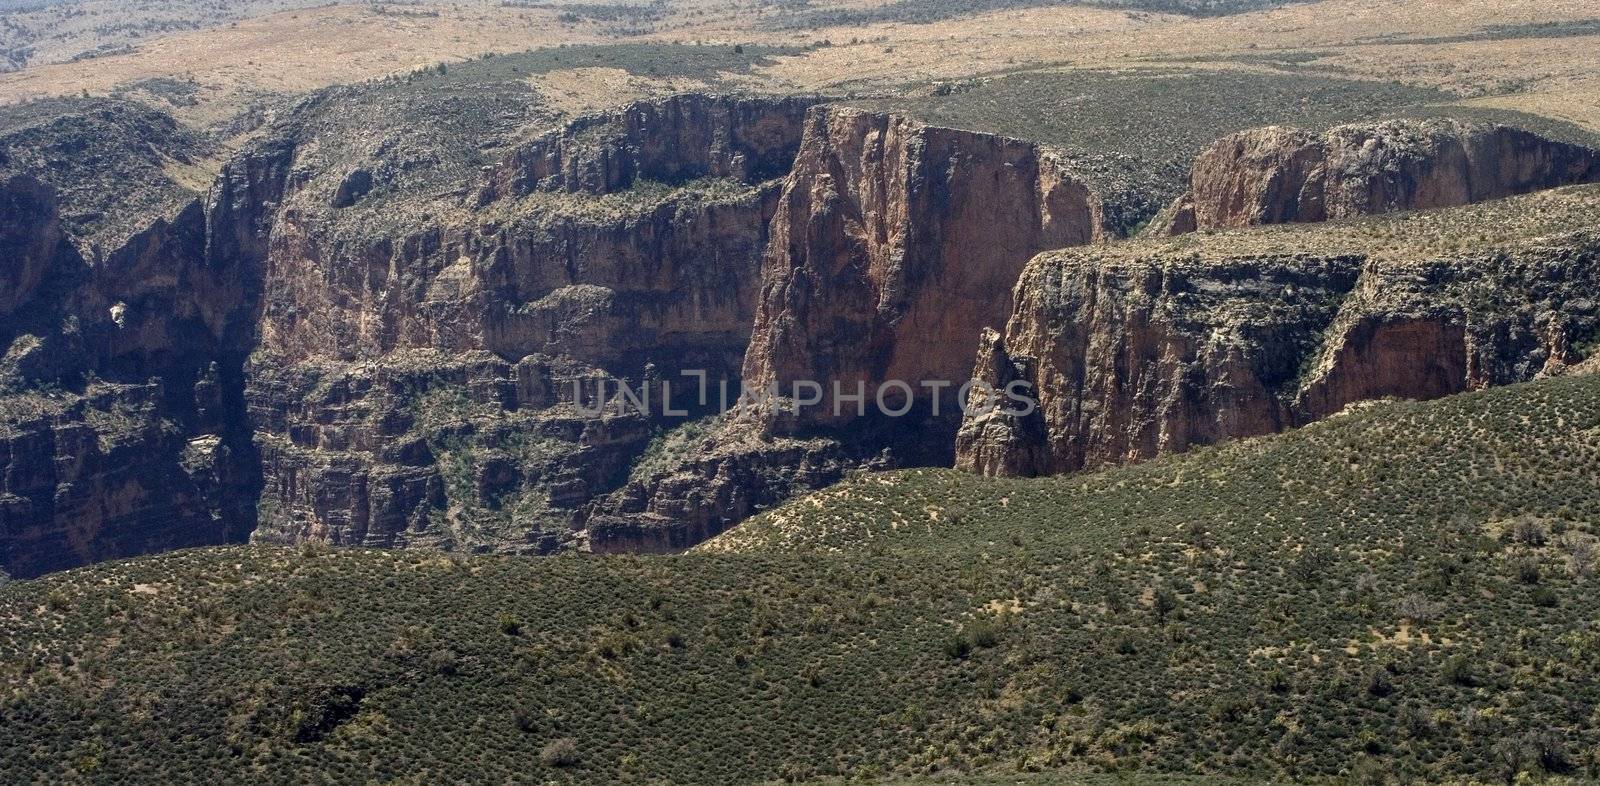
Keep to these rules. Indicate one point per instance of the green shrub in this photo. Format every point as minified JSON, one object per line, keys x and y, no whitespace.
{"x":1458,"y":670}
{"x":562,"y":752}
{"x":508,"y":624}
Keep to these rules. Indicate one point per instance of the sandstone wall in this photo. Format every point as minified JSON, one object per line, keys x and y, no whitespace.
{"x":1278,"y":175}
{"x":1135,"y":356}
{"x":895,"y":243}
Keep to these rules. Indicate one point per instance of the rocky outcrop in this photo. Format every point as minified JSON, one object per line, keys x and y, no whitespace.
{"x":624,"y":245}
{"x":996,"y":440}
{"x":670,"y":140}
{"x":705,"y":478}
{"x":890,"y":245}
{"x":366,"y":335}
{"x":104,"y":475}
{"x":1152,"y":348}
{"x":894,"y":243}
{"x":424,"y":450}
{"x":1278,"y":175}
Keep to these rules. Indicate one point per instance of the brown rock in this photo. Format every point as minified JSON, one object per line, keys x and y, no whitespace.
{"x":1152,"y":347}
{"x":1278,"y":175}
{"x":895,"y":243}
{"x":995,"y":439}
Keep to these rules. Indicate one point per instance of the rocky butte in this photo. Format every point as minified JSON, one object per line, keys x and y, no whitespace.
{"x":1279,"y":175}
{"x":891,"y":245}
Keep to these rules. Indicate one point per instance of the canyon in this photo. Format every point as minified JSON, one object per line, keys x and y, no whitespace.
{"x":394,"y":339}
{"x":323,"y":346}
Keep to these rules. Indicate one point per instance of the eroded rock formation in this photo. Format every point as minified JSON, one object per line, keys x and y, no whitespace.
{"x":1279,"y":175}
{"x":366,"y":332}
{"x":122,"y":427}
{"x":894,"y":244}
{"x":891,"y":245}
{"x":415,"y":376}
{"x":1151,"y":347}
{"x":996,"y":439}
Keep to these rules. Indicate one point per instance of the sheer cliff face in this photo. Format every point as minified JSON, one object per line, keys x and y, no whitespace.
{"x":1148,"y":349}
{"x":441,"y":343}
{"x":343,"y":331}
{"x":891,"y":243}
{"x":1281,"y":175}
{"x":121,"y":414}
{"x":894,"y":243}
{"x":628,"y":233}
{"x":365,"y":334}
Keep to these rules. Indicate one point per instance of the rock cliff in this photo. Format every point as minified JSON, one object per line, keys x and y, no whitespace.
{"x":1152,"y":347}
{"x":338,"y":330}
{"x":415,"y":374}
{"x":363,"y":330}
{"x":122,"y":428}
{"x":893,"y":245}
{"x":1278,"y":175}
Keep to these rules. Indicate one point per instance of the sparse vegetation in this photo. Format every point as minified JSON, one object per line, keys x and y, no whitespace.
{"x":928,"y":11}
{"x":853,"y":632}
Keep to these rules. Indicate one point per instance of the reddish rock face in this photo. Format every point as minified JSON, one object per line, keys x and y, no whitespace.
{"x":993,"y":441}
{"x":326,"y":348}
{"x":1381,"y":356}
{"x":441,"y":355}
{"x":1142,"y":353}
{"x":1281,"y":175}
{"x":895,"y":243}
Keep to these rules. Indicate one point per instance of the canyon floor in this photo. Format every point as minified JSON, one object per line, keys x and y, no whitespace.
{"x":329,"y":335}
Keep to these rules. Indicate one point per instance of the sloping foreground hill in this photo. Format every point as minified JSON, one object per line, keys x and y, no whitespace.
{"x":1401,"y":591}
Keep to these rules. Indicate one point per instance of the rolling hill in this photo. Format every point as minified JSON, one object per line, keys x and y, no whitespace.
{"x":1404,"y":591}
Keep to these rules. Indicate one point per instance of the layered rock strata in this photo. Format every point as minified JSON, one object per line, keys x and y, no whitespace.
{"x":893,"y":245}
{"x":122,"y":427}
{"x":1153,"y":347}
{"x":1279,"y":175}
